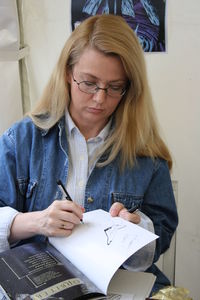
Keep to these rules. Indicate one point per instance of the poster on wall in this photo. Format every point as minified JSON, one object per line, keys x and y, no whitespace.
{"x":145,"y":17}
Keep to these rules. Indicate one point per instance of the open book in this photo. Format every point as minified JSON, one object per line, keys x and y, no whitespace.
{"x":101,"y":245}
{"x":82,"y":266}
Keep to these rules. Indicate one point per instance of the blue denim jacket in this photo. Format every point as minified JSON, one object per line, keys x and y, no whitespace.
{"x":31,"y":161}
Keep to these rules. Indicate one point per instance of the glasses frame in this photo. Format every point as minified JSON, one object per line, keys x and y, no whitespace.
{"x":97,"y":88}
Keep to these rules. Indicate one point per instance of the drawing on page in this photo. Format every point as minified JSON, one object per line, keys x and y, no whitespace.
{"x":119,"y":232}
{"x":111,"y":232}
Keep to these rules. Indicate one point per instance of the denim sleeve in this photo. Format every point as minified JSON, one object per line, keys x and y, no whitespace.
{"x":159,"y":205}
{"x":8,"y":184}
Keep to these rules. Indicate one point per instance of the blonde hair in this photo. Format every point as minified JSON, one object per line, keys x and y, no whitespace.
{"x":135,"y":126}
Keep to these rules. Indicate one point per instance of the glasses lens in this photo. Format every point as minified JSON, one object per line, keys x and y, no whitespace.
{"x":115,"y":92}
{"x":91,"y":88}
{"x":88,"y":87}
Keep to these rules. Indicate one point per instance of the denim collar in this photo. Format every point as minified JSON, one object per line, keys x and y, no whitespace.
{"x":60,"y":124}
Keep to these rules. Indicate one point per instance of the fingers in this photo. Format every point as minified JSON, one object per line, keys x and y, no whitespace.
{"x":61,"y":217}
{"x":60,"y":228}
{"x":118,"y":209}
{"x":131,"y":217}
{"x":67,"y":210}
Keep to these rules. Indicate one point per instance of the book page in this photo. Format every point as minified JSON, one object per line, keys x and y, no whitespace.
{"x":141,"y":284}
{"x":101,"y":245}
{"x":121,"y":289}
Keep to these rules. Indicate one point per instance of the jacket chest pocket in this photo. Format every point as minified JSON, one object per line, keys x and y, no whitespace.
{"x":27,"y":189}
{"x":128,"y":200}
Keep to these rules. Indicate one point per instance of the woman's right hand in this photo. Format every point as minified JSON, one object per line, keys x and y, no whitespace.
{"x":58,"y":219}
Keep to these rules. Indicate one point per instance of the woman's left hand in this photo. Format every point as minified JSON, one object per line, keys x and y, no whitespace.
{"x":118,"y":210}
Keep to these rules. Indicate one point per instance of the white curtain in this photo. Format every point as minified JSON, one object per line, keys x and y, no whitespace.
{"x":46,"y":26}
{"x":10,"y":88}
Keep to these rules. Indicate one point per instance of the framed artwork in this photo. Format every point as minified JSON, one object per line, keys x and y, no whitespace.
{"x":146,"y":17}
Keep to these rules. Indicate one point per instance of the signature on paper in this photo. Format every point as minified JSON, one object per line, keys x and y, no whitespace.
{"x":111,"y":232}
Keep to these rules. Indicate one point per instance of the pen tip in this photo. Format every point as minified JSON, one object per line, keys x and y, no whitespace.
{"x":58,"y":181}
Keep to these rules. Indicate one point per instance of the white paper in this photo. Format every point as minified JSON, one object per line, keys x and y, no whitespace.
{"x":101,"y":245}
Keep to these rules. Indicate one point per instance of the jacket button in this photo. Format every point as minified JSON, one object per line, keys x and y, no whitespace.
{"x":90,"y":200}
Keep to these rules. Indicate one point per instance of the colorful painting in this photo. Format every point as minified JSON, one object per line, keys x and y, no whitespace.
{"x":145,"y":17}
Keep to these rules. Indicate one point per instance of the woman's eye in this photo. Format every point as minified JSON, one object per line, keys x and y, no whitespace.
{"x":115,"y":87}
{"x":89,"y":83}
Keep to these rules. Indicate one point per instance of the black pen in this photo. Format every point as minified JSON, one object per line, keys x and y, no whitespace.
{"x":61,"y":185}
{"x":67,"y":196}
{"x":134,"y":208}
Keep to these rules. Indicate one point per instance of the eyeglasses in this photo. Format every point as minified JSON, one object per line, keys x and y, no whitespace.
{"x":88,"y":87}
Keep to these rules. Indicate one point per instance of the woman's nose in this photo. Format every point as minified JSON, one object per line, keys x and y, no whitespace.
{"x":100,"y":95}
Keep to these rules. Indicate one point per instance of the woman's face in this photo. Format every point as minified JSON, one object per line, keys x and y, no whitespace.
{"x":94,"y":110}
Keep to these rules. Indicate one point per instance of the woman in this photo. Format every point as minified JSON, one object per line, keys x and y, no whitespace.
{"x":95,"y":130}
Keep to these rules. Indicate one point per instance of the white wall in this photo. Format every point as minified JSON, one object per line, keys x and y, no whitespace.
{"x":175,"y":80}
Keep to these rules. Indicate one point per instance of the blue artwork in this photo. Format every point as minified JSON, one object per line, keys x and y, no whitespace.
{"x":145,"y":17}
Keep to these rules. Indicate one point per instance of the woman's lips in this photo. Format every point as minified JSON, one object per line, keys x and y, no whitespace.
{"x":95,"y":110}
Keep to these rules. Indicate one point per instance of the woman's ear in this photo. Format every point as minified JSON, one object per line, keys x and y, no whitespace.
{"x":69,"y":77}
